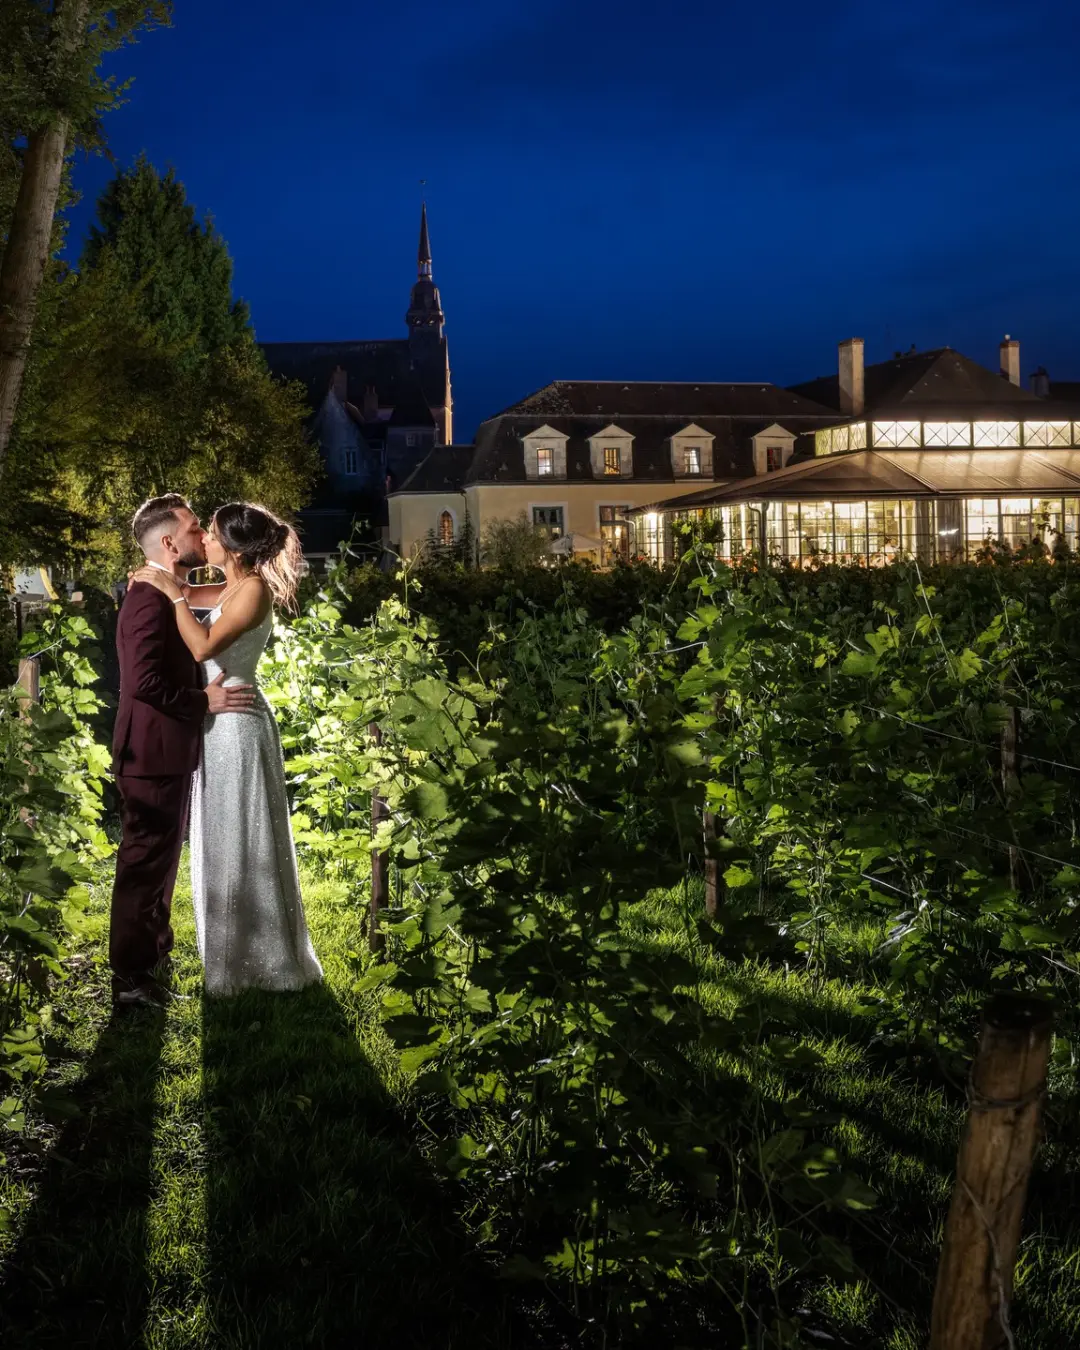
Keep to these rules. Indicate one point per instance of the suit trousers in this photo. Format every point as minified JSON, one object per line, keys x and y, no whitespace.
{"x":153,"y":816}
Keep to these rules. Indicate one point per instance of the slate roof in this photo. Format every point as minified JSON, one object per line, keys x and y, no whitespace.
{"x":391,"y":365}
{"x":615,"y":399}
{"x":928,"y":382}
{"x":867,"y":474}
{"x":650,"y":411}
{"x":443,"y":470}
{"x":500,"y":452}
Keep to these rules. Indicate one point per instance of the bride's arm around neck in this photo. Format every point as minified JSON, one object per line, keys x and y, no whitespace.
{"x":247,"y":606}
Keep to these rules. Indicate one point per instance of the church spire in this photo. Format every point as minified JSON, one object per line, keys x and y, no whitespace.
{"x":424,"y":252}
{"x":425,"y":308}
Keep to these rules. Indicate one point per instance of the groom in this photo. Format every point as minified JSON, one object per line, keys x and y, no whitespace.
{"x":156,"y":749}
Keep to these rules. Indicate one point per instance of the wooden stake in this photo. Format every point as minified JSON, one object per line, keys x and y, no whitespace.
{"x":30,"y":680}
{"x":1010,"y":782}
{"x":712,"y":865}
{"x":1008,"y":1080}
{"x":380,"y":862}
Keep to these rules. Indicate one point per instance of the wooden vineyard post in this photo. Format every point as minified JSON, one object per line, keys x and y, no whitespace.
{"x":380,"y":861}
{"x":1010,"y":781}
{"x":713,"y":881}
{"x":30,"y":680}
{"x":982,"y":1233}
{"x":712,"y":865}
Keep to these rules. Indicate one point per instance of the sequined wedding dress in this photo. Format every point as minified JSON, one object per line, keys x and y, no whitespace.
{"x":249,"y":917}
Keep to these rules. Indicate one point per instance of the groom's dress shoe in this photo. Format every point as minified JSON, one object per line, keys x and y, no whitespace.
{"x":148,"y":994}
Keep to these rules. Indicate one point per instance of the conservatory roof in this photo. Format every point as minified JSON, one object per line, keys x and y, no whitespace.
{"x":860,"y":474}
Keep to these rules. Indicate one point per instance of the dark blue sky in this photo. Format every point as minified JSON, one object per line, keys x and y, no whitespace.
{"x":677,"y":190}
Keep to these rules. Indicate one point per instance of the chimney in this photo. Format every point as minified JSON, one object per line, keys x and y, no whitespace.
{"x":339,"y":383}
{"x":852,"y":379}
{"x":1040,"y":383}
{"x":1010,"y":360}
{"x":371,"y":404}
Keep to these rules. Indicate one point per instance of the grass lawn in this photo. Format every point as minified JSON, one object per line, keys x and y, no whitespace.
{"x":899,"y":1127}
{"x":240,"y":1174}
{"x":238,"y":1177}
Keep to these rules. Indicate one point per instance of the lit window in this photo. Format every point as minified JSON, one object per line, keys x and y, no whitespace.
{"x":545,"y":463}
{"x":996,"y":433}
{"x":897,"y":435}
{"x":614,"y":534}
{"x":774,"y":458}
{"x":549,"y":519}
{"x":839,"y":440}
{"x":947,"y":433}
{"x":612,"y":459}
{"x":446,"y":529}
{"x":858,"y":435}
{"x":692,"y":459}
{"x":350,"y":461}
{"x":1047,"y":433}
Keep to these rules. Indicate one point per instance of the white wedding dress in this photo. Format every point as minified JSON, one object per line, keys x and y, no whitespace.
{"x":249,"y":917}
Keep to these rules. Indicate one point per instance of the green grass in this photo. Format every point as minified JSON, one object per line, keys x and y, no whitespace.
{"x":898,"y":1126}
{"x":241,"y":1173}
{"x":238,"y":1176}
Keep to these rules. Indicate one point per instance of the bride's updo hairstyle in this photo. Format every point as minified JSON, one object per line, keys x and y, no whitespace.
{"x":262,"y":543}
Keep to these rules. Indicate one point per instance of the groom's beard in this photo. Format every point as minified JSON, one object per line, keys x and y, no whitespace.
{"x":193,"y":559}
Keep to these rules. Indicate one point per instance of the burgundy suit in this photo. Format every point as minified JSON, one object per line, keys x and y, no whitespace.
{"x":155,"y":751}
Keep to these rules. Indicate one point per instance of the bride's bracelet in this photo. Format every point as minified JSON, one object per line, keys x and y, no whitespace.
{"x":180,"y":600}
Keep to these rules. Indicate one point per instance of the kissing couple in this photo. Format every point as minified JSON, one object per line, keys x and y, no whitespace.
{"x":195,"y":738}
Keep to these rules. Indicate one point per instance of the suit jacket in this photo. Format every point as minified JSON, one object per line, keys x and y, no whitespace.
{"x":161,"y":703}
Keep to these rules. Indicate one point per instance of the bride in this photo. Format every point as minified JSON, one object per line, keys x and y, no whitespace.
{"x":249,"y":917}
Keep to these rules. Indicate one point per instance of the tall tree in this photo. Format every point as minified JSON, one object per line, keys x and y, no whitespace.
{"x":150,"y":380}
{"x":176,"y":268}
{"x":51,"y":99}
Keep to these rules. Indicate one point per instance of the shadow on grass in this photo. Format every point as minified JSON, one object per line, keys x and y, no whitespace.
{"x":323,"y":1225}
{"x":78,"y":1275}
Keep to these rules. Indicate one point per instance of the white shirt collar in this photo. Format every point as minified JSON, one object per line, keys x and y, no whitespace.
{"x":160,"y":567}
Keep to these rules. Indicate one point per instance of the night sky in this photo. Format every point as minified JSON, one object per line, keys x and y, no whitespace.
{"x":678,"y":191}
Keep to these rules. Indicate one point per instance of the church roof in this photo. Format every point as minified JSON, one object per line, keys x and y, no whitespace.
{"x":399,"y":372}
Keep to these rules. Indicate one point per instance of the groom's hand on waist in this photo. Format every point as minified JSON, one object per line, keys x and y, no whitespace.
{"x":235,"y":698}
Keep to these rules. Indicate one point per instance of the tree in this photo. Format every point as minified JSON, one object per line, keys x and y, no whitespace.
{"x":513,"y":544}
{"x":150,"y":380}
{"x":177,"y":270}
{"x":51,"y":99}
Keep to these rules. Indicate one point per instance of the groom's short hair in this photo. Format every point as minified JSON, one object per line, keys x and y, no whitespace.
{"x":156,"y":512}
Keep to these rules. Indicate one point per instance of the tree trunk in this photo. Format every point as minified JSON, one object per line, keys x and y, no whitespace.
{"x":26,"y":253}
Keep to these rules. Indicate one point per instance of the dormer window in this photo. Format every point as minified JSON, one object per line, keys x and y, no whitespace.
{"x":611,"y":453}
{"x":692,"y":452}
{"x":544,"y":452}
{"x":773,"y":447}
